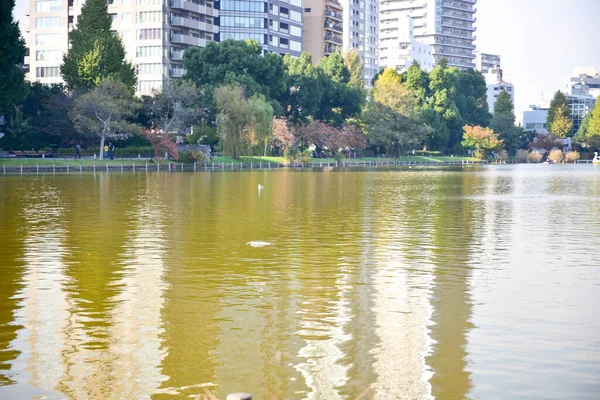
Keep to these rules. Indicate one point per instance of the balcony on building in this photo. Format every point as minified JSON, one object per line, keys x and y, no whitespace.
{"x":187,"y":39}
{"x":329,"y":49}
{"x":176,"y":55}
{"x":334,"y":4}
{"x":458,"y":25}
{"x":329,"y":37}
{"x":333,"y":14}
{"x":459,"y":15}
{"x":176,"y":72}
{"x":206,"y":8}
{"x":462,"y":5}
{"x":332,"y":25}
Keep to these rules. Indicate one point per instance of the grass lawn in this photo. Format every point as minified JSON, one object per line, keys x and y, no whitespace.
{"x":32,"y":162}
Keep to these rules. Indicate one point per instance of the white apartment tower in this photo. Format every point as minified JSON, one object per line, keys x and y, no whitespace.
{"x":361,"y":33}
{"x":155,"y":34}
{"x":399,"y":48}
{"x":485,"y":62}
{"x":446,"y":25}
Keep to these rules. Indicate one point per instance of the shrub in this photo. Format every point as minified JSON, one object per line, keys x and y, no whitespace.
{"x":339,"y":156}
{"x":522,"y":155}
{"x":194,"y":157}
{"x":556,"y":155}
{"x":502,"y":156}
{"x":534,"y":157}
{"x":572,"y":156}
{"x":294,"y":155}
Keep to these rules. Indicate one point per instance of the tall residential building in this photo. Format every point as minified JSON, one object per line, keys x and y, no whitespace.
{"x":495,"y":84}
{"x":401,"y":53}
{"x":276,"y":25}
{"x":155,"y":34}
{"x":361,"y":33}
{"x":447,"y":25}
{"x":485,"y":62}
{"x":582,"y":91}
{"x":323,"y":28}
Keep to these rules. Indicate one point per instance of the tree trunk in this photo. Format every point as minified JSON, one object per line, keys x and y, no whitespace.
{"x":102,"y":147}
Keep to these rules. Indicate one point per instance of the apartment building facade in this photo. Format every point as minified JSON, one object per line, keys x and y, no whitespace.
{"x":275,"y":25}
{"x":485,"y":62}
{"x":361,"y":33}
{"x":495,"y":84}
{"x":399,"y":49}
{"x":323,"y":28}
{"x":446,"y":25}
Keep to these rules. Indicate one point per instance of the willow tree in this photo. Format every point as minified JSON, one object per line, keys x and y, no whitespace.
{"x":233,"y":116}
{"x":261,"y":124}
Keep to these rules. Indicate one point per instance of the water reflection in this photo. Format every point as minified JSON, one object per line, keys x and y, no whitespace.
{"x":379,"y":284}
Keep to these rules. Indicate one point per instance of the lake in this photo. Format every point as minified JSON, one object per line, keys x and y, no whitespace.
{"x":480,"y":282}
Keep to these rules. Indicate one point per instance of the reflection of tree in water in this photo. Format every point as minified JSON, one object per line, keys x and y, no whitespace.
{"x":453,"y":228}
{"x":11,"y":268}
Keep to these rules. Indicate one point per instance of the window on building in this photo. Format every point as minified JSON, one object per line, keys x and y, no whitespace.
{"x":296,"y":46}
{"x":48,"y":22}
{"x":47,"y":72}
{"x":148,"y":51}
{"x":295,"y":16}
{"x":47,"y":38}
{"x":295,"y":31}
{"x":148,"y":2}
{"x":149,"y":34}
{"x":126,"y":17}
{"x":149,"y":86}
{"x":149,"y":68}
{"x":247,"y":6}
{"x":48,"y":55}
{"x":307,"y":10}
{"x":149,"y":16}
{"x":112,"y":16}
{"x":48,"y":5}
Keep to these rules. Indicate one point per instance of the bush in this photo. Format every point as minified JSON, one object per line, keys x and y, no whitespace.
{"x":556,"y":155}
{"x":339,"y":157}
{"x":534,"y":157}
{"x":502,"y":156}
{"x":194,"y":157}
{"x":522,"y":155}
{"x":294,"y":155}
{"x":572,"y":156}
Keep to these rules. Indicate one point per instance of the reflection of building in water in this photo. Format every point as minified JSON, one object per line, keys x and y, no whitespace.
{"x":43,"y":313}
{"x":11,"y":263}
{"x":137,"y":321}
{"x":452,"y":234}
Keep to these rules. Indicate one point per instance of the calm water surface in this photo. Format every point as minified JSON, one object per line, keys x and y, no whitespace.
{"x":479,"y":283}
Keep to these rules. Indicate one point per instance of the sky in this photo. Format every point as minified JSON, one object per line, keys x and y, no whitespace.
{"x":540,"y":42}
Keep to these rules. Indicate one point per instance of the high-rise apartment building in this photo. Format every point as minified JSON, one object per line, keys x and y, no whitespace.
{"x":276,"y":25}
{"x":361,"y":33}
{"x":446,"y":25}
{"x":323,"y":28}
{"x":155,"y":34}
{"x":485,"y":62}
{"x":401,"y":53}
{"x":495,"y":84}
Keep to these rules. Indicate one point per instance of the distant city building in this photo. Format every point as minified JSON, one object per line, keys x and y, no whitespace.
{"x":399,"y":49}
{"x":495,"y":84}
{"x":155,"y":35}
{"x":446,"y":25}
{"x":485,"y":62}
{"x":323,"y":27}
{"x":276,"y":25}
{"x":584,"y":81}
{"x":535,"y":119}
{"x":582,"y":91}
{"x":361,"y":33}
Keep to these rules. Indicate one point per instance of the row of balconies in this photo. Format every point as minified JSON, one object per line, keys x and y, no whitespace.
{"x":335,"y":26}
{"x":459,"y":15}
{"x":330,"y":48}
{"x":197,"y":8}
{"x":193,"y":24}
{"x":329,"y":37}
{"x":460,"y":25}
{"x":187,"y":39}
{"x":462,"y":5}
{"x":333,"y":14}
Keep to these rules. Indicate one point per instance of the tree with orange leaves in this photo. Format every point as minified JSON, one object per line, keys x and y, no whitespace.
{"x":483,"y":140}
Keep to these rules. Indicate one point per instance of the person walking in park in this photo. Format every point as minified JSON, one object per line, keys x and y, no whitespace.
{"x":77,"y":151}
{"x":111,"y":150}
{"x":105,"y":151}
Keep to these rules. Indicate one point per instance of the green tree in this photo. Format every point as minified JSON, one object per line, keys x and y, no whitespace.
{"x":503,"y":123}
{"x":417,"y":81}
{"x":237,"y":62}
{"x":105,"y":111}
{"x":12,"y":53}
{"x":389,"y":91}
{"x":442,"y":85}
{"x":334,"y":68}
{"x":233,"y":118}
{"x":96,"y":53}
{"x":261,"y":114}
{"x":557,"y":101}
{"x":354,"y":64}
{"x":305,"y":91}
{"x":562,"y":124}
{"x":483,"y":140}
{"x":175,"y":107}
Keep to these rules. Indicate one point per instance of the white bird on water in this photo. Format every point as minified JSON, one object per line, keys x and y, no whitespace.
{"x":260,"y":187}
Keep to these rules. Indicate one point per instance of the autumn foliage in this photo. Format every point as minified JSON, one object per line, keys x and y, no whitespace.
{"x":330,"y":137}
{"x":483,"y":140}
{"x":161,"y":143}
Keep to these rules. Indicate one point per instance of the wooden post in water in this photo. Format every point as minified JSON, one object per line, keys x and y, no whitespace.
{"x":241,"y":166}
{"x":37,"y":168}
{"x":53,"y":168}
{"x":232,"y":165}
{"x":22,"y":168}
{"x":106,"y":167}
{"x":269,"y":164}
{"x":239,"y":396}
{"x":133,"y":167}
{"x":121,"y":167}
{"x":182,"y":167}
{"x":94,"y":167}
{"x":67,"y":168}
{"x":157,"y":166}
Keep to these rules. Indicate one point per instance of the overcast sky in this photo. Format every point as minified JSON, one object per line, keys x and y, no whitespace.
{"x":540,"y":41}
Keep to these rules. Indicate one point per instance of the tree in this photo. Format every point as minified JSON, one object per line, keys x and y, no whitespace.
{"x":104,"y":111}
{"x":12,"y":53}
{"x":484,"y":140}
{"x":333,"y":138}
{"x":417,"y":81}
{"x":233,"y":118}
{"x":562,"y":124}
{"x":589,"y":131}
{"x":283,"y":137}
{"x":161,"y":143}
{"x":305,"y":90}
{"x":442,"y":86}
{"x":96,"y":52}
{"x":558,"y":100}
{"x":354,"y":64}
{"x":390,"y":92}
{"x":175,"y":107}
{"x":503,"y":123}
{"x":261,"y":114}
{"x":237,"y":62}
